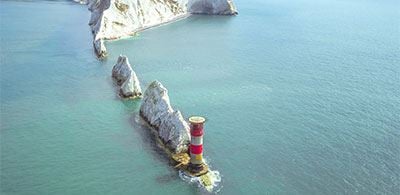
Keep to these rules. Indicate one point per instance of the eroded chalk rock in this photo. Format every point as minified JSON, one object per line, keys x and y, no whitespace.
{"x":112,"y":19}
{"x":99,"y":48}
{"x":170,"y":125}
{"x":126,"y":78}
{"x":213,"y":7}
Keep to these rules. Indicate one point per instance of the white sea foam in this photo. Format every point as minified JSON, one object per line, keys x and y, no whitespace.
{"x":214,"y":177}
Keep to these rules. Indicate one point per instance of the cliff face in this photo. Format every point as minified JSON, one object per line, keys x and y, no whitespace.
{"x":112,"y":19}
{"x":170,"y":125}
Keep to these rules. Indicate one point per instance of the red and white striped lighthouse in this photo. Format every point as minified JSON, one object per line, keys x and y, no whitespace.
{"x":196,"y":142}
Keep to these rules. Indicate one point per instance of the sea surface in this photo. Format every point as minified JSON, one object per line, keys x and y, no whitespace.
{"x":300,"y":96}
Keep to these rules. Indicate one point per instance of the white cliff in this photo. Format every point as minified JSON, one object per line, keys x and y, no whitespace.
{"x":112,"y":19}
{"x":214,"y":7}
{"x":82,"y":1}
{"x":126,"y":78}
{"x":170,"y":125}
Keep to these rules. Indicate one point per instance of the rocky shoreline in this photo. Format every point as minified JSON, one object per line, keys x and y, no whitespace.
{"x":114,"y":19}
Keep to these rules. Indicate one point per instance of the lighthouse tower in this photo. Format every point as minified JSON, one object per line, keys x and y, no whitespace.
{"x":196,"y":144}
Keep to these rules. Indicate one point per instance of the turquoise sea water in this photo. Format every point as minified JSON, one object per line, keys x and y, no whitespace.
{"x":301,"y":97}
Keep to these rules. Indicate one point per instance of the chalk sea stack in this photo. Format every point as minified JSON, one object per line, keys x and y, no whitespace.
{"x":126,"y":78}
{"x":99,"y":48}
{"x":170,"y":125}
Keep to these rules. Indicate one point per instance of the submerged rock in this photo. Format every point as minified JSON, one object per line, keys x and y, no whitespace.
{"x":216,"y":7}
{"x":99,"y":48}
{"x":170,"y":125}
{"x":126,"y":78}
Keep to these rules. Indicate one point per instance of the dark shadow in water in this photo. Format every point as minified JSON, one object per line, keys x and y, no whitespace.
{"x":167,"y":178}
{"x":150,"y":145}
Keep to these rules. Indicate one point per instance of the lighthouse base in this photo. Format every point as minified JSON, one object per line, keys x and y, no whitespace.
{"x":197,"y":169}
{"x":182,"y":161}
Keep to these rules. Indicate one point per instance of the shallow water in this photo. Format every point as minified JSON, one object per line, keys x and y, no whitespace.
{"x":301,"y":97}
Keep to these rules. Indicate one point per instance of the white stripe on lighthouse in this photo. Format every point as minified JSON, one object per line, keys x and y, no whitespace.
{"x":196,"y":140}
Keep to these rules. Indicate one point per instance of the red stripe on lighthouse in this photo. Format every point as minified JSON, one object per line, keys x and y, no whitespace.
{"x":197,"y":127}
{"x":196,"y":149}
{"x":197,"y":132}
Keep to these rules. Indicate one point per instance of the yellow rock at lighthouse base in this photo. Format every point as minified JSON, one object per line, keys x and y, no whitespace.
{"x":205,"y":180}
